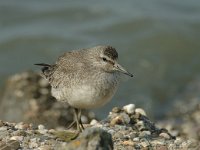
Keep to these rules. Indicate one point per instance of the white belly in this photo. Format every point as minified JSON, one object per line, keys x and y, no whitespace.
{"x":86,"y":96}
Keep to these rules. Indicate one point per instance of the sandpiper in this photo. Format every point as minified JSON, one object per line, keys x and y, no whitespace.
{"x":85,"y":78}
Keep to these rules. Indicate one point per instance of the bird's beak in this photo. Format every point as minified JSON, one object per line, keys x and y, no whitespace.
{"x":121,"y":69}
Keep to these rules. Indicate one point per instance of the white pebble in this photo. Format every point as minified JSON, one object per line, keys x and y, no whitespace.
{"x":140,"y":123}
{"x":130,"y":108}
{"x":17,"y":138}
{"x":41,"y":127}
{"x":44,"y":131}
{"x":145,"y":133}
{"x":4,"y":128}
{"x":165,"y":136}
{"x":136,"y":139}
{"x":93,"y":122}
{"x":84,"y":119}
{"x":140,"y":111}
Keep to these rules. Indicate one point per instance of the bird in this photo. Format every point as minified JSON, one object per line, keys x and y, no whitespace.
{"x":84,"y":78}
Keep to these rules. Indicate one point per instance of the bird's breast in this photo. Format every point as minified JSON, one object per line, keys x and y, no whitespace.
{"x":89,"y":94}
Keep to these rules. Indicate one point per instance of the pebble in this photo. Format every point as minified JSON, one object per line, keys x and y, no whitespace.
{"x":10,"y":145}
{"x":140,"y":111}
{"x":145,"y":133}
{"x":126,"y":118}
{"x":116,"y":120}
{"x":129,"y":142}
{"x":19,"y":133}
{"x":84,"y":119}
{"x":93,"y":122}
{"x":178,"y":141}
{"x":17,"y":138}
{"x":1,"y":123}
{"x":140,"y":125}
{"x":129,"y":109}
{"x":33,"y":143}
{"x":116,"y":110}
{"x":136,"y":139}
{"x":21,"y":126}
{"x":41,"y":127}
{"x":4,"y":128}
{"x":118,"y":135}
{"x":164,"y":135}
{"x":45,"y":147}
{"x":44,"y":131}
{"x":144,"y":144}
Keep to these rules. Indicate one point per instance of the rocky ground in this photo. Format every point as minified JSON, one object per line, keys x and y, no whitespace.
{"x":125,"y":128}
{"x":44,"y":122}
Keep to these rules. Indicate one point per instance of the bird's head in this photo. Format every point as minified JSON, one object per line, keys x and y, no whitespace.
{"x":106,"y":59}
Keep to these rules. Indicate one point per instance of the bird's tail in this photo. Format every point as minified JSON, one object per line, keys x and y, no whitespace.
{"x":46,"y":69}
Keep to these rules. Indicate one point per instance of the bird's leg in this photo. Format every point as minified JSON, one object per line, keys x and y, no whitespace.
{"x":79,"y":117}
{"x":71,"y":124}
{"x":76,"y":113}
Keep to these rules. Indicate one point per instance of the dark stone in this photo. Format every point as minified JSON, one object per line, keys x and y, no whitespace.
{"x":92,"y":139}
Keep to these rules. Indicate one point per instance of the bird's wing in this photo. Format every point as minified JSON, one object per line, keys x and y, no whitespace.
{"x":67,"y":67}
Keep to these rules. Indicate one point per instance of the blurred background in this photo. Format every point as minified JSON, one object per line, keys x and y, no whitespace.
{"x":158,"y":41}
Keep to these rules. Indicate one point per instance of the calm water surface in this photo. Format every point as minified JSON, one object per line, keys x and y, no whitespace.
{"x":158,"y":41}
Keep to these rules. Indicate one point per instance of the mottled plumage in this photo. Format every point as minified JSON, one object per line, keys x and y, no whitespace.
{"x":86,"y":78}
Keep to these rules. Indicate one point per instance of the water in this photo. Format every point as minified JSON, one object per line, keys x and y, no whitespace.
{"x":157,"y":40}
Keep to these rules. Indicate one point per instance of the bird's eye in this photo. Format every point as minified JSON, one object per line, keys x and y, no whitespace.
{"x":104,"y":59}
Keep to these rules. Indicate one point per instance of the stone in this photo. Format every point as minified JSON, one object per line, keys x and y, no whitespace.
{"x":165,"y":135}
{"x":17,"y":138}
{"x":145,"y":133}
{"x":129,"y":142}
{"x":1,"y":123}
{"x":136,"y":139}
{"x":41,"y":127}
{"x":91,"y":139}
{"x":129,"y":109}
{"x":22,"y":126}
{"x":116,"y":120}
{"x":140,"y":111}
{"x":116,"y":110}
{"x":93,"y":122}
{"x":10,"y":145}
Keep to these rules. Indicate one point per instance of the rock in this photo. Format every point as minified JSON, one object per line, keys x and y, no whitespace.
{"x":116,"y":120}
{"x":140,"y":111}
{"x":33,"y":143}
{"x":93,"y":122}
{"x":1,"y":123}
{"x":130,"y":143}
{"x":137,"y":139}
{"x":129,"y":109}
{"x":165,"y":135}
{"x":26,"y":97}
{"x":122,"y":118}
{"x":45,"y":147}
{"x":91,"y":139}
{"x":41,"y":127}
{"x":116,"y":110}
{"x":140,"y":133}
{"x":17,"y":138}
{"x":145,"y":133}
{"x":10,"y":145}
{"x":22,"y":125}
